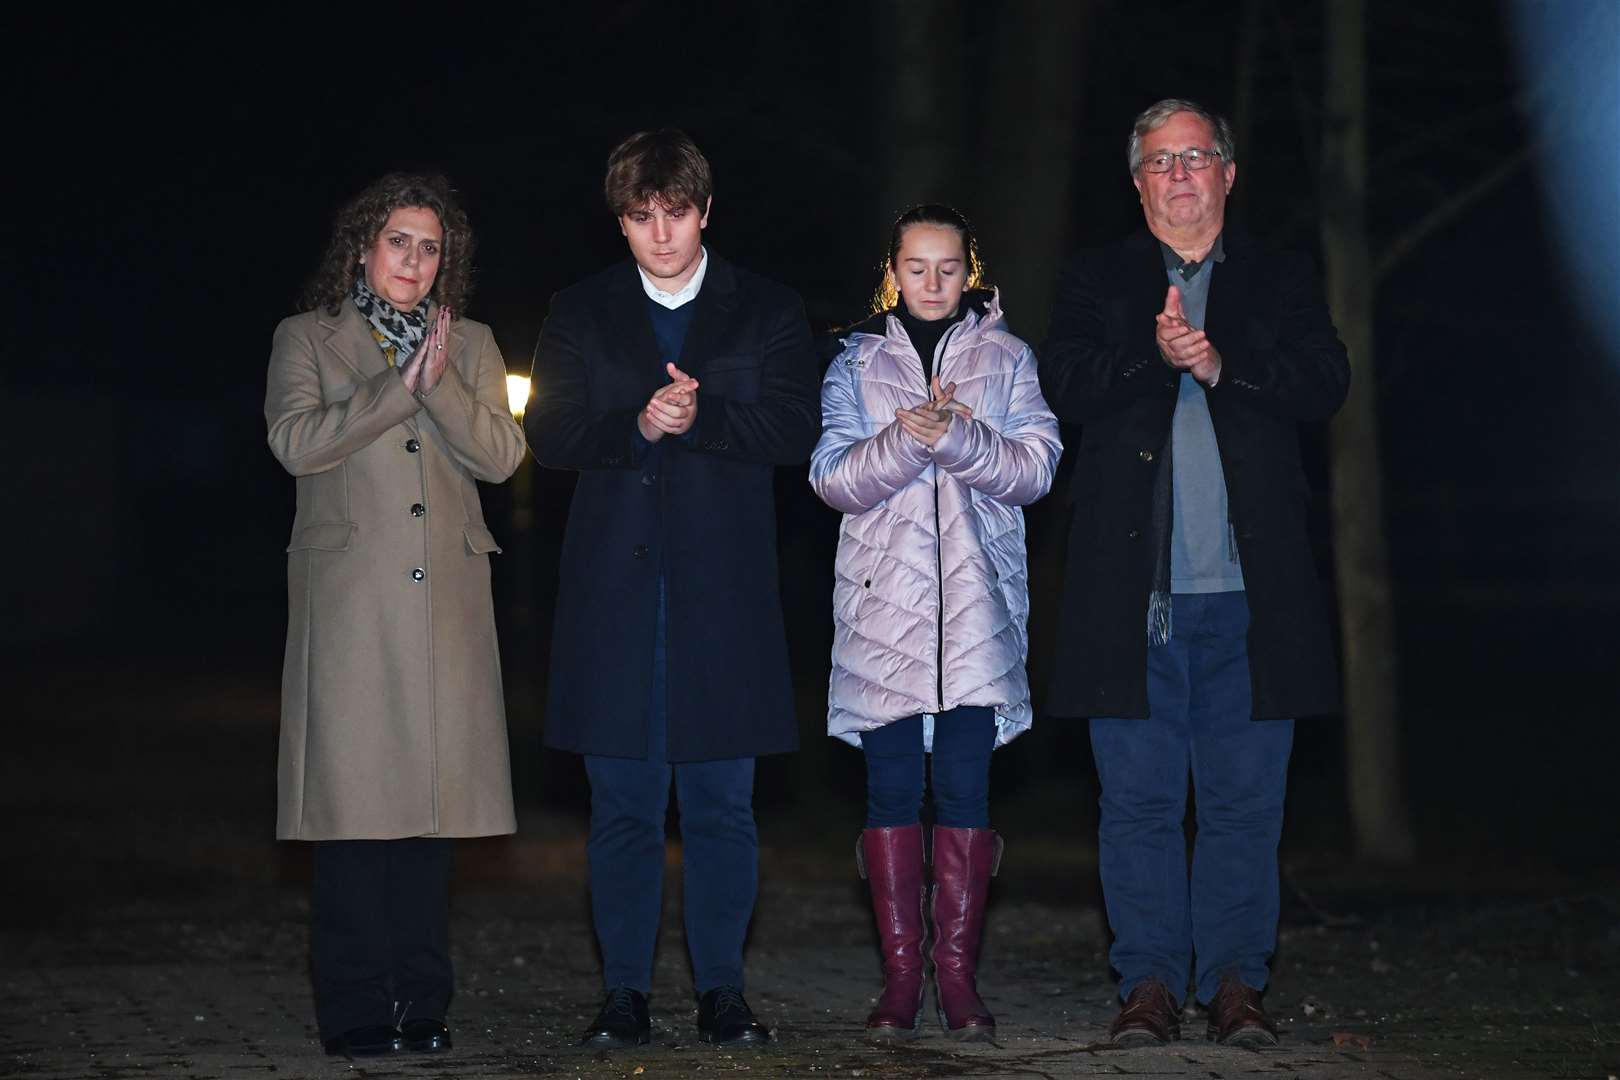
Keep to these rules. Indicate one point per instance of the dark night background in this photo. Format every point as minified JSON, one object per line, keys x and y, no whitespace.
{"x":174,"y":180}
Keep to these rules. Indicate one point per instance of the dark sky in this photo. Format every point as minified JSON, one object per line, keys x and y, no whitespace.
{"x":174,"y":178}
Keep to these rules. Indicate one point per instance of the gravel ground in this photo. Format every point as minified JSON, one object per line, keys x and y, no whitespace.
{"x":149,"y":927}
{"x":214,"y":984}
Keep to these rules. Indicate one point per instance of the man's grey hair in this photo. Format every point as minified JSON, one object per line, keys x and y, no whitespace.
{"x":1154,"y":116}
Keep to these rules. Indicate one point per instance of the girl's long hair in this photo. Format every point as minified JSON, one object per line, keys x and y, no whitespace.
{"x":887,"y":296}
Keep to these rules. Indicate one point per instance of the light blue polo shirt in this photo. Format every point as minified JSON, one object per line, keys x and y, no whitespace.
{"x":1203,"y":546}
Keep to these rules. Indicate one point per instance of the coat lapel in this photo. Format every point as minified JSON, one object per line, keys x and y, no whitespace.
{"x":458,"y":350}
{"x":1148,"y":282}
{"x":635,"y":349}
{"x":349,"y":337}
{"x":1229,"y":292}
{"x":715,"y":303}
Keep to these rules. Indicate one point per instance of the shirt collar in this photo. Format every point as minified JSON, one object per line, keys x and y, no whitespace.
{"x":1189,"y":270}
{"x":685,"y":293}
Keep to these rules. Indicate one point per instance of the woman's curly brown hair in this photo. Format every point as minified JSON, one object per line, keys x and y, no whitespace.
{"x":361,"y":220}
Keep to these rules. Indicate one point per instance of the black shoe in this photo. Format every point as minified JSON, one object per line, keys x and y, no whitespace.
{"x":422,"y":1035}
{"x":724,"y":1017}
{"x":368,"y":1041}
{"x":623,"y":1021}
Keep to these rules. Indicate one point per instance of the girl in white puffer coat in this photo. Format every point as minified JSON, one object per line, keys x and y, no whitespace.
{"x":934,"y":434}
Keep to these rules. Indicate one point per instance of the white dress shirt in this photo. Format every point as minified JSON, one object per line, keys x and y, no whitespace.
{"x":685,"y":293}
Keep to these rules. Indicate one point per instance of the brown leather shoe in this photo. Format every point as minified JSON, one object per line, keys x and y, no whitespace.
{"x":1149,"y":1017}
{"x":1236,"y":1018}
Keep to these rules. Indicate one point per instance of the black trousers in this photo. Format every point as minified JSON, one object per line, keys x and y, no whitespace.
{"x":379,"y":931}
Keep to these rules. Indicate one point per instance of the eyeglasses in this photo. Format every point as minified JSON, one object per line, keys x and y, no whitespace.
{"x":1192,"y":157}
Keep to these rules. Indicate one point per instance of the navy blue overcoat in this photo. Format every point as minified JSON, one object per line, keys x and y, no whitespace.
{"x":701,"y":509}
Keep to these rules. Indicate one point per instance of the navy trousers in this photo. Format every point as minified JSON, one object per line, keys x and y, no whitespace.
{"x":964,"y":738}
{"x":379,"y":934}
{"x":1201,"y":724}
{"x":720,"y":845}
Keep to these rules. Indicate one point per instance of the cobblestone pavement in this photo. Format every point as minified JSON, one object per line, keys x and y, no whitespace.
{"x":149,"y":928}
{"x":215,"y":986}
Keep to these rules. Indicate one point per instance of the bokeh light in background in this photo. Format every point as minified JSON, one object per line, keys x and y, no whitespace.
{"x":517,"y":394}
{"x":1570,"y":53}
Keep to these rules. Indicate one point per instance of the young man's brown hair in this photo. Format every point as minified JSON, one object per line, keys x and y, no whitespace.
{"x":662,"y":166}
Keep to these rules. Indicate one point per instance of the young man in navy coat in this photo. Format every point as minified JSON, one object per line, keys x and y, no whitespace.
{"x":1192,"y":630}
{"x":674,"y":383}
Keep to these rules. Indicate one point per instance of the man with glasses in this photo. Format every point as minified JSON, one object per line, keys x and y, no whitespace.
{"x":1192,"y":630}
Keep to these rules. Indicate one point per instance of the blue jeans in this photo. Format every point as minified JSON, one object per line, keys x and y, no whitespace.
{"x":963,"y":740}
{"x":1199,"y":701}
{"x":720,"y":867}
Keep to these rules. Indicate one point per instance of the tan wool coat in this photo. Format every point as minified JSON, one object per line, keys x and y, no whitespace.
{"x":392,"y":719}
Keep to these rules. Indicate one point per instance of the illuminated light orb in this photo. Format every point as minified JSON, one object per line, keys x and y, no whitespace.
{"x":517,"y":394}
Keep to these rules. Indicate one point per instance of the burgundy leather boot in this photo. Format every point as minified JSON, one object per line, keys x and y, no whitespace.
{"x":891,"y":860}
{"x":964,"y":862}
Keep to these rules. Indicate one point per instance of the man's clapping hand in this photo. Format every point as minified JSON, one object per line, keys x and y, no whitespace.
{"x":1183,"y":347}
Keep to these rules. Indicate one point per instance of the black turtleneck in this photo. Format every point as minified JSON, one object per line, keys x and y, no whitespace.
{"x":925,"y":334}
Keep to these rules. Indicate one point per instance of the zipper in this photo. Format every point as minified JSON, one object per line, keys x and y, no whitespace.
{"x":939,"y":553}
{"x":939,"y":573}
{"x":939,"y":543}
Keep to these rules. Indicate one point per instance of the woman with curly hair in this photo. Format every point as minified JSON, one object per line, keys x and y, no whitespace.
{"x":387,"y":405}
{"x":934,"y":435}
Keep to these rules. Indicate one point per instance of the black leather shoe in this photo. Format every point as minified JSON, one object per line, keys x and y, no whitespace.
{"x":368,"y":1041}
{"x":423,"y":1036}
{"x":724,"y":1017}
{"x":623,"y":1021}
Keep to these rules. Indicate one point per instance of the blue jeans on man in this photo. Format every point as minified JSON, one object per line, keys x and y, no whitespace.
{"x":1200,"y":723}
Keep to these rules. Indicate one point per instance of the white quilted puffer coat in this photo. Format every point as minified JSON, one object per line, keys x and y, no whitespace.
{"x":930,"y":592}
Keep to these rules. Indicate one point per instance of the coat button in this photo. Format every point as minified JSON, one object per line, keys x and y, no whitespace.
{"x":418,"y":574}
{"x":1135,"y":534}
{"x":417,"y":509}
{"x":412,"y":446}
{"x":1146,"y":455}
{"x":639,"y":551}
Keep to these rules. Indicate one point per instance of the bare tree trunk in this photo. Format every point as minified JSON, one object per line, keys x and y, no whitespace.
{"x":1378,"y":809}
{"x":1244,"y":73}
{"x":923,"y":132}
{"x":1024,"y":201}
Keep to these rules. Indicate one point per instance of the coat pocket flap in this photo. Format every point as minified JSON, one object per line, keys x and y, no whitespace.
{"x":480,"y":541}
{"x":325,"y":536}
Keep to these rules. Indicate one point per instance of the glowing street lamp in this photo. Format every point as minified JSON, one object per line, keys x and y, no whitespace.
{"x":517,"y":394}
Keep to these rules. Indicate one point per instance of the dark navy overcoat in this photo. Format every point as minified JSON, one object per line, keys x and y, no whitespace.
{"x":699,"y":509}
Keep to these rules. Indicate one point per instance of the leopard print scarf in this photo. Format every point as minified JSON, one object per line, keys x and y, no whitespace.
{"x":396,"y":332}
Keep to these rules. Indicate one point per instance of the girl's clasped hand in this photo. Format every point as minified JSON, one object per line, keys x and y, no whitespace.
{"x":929,"y":422}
